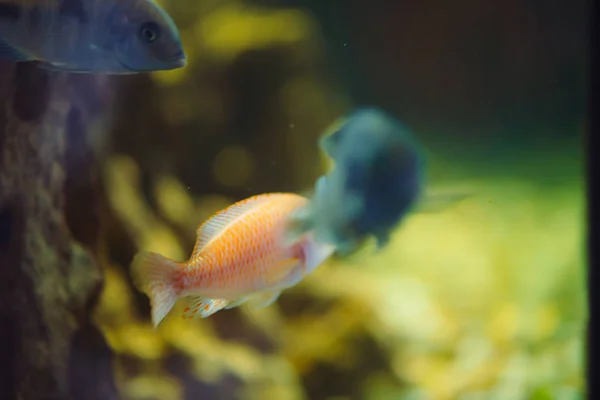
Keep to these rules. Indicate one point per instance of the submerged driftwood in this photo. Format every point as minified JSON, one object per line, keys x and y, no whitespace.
{"x":49,"y":229}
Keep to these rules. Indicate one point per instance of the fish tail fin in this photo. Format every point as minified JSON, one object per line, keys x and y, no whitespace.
{"x":156,"y":276}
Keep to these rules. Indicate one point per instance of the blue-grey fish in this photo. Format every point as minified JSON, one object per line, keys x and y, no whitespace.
{"x":90,"y":36}
{"x":377,"y":179}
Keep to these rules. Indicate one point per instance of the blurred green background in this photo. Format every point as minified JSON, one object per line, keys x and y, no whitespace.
{"x":484,"y":300}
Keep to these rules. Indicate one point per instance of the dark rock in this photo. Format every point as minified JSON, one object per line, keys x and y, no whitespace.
{"x":49,"y":283}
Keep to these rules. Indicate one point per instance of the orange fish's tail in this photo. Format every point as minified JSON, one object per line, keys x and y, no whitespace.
{"x":157,"y":276}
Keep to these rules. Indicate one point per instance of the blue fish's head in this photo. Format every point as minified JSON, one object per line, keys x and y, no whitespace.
{"x":143,"y":37}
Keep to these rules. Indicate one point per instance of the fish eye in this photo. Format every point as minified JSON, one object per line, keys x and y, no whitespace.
{"x":150,"y":31}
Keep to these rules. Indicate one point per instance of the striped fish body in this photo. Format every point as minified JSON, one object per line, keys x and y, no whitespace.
{"x":241,"y":254}
{"x":241,"y":251}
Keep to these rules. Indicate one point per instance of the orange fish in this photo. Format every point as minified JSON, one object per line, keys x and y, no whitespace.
{"x":240,"y":255}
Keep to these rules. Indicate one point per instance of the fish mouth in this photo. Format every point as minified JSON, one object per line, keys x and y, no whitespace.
{"x":172,"y":63}
{"x":178,"y":60}
{"x":180,"y":55}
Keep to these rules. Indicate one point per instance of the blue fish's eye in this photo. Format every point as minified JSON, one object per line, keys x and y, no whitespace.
{"x":150,"y":31}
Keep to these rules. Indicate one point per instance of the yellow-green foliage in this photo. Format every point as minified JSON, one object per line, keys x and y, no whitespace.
{"x":485,"y":296}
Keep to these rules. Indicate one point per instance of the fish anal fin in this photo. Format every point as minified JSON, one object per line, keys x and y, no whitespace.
{"x":198,"y":307}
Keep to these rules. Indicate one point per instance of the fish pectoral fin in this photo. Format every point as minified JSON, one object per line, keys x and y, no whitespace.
{"x":198,"y":307}
{"x":281,"y":272}
{"x":264,"y":299}
{"x":9,"y":52}
{"x":316,"y":254}
{"x":60,"y":68}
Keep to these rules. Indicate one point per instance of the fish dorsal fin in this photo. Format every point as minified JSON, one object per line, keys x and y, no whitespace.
{"x":222,"y":220}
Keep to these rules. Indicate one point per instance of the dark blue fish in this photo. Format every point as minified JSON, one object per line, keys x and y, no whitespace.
{"x":90,"y":36}
{"x":377,"y":179}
